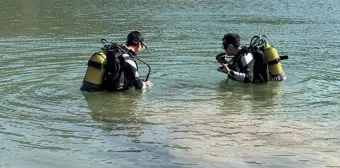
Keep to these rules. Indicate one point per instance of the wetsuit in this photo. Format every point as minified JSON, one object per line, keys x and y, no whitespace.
{"x":244,"y":68}
{"x":131,"y":71}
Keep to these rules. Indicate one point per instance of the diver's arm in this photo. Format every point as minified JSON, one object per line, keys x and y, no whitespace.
{"x":248,"y":67}
{"x":132,"y":74}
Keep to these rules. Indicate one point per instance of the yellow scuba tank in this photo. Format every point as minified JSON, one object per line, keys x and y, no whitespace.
{"x":95,"y":72}
{"x":273,"y":60}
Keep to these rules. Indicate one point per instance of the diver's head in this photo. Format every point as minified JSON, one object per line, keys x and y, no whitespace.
{"x":231,"y":43}
{"x":134,"y":41}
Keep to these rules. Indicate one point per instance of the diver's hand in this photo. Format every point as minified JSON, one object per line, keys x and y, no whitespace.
{"x":224,"y":68}
{"x":148,"y":83}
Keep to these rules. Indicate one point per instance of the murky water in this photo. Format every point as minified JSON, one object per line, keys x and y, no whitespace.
{"x":191,"y":117}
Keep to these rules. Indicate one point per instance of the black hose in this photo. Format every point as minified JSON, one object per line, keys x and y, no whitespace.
{"x":257,"y":41}
{"x":147,"y":76}
{"x":104,"y":41}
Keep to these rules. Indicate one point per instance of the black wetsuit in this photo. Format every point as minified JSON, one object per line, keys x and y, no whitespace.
{"x":130,"y":70}
{"x":244,"y":68}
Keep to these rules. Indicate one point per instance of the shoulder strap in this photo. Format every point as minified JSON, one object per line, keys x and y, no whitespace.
{"x":238,"y":55}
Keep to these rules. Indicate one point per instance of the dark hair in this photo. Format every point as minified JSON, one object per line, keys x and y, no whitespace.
{"x":231,"y":38}
{"x":134,"y":38}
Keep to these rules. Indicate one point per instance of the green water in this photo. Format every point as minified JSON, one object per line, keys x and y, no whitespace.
{"x":191,"y":117}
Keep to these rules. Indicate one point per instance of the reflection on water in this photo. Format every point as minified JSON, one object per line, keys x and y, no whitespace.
{"x":262,"y":95}
{"x":115,"y":110}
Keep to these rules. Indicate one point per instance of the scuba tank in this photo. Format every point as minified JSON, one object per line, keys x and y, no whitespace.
{"x":271,"y":55}
{"x":95,"y":72}
{"x":273,"y":60}
{"x":97,"y":69}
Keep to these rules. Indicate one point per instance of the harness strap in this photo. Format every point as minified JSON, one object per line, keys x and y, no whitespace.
{"x":284,"y":57}
{"x":96,"y":65}
{"x":276,"y":61}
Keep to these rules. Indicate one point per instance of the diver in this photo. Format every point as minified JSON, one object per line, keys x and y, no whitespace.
{"x":256,"y":63}
{"x":114,"y":68}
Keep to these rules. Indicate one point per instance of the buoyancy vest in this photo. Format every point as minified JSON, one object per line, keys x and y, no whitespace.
{"x":106,"y":69}
{"x":260,"y":68}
